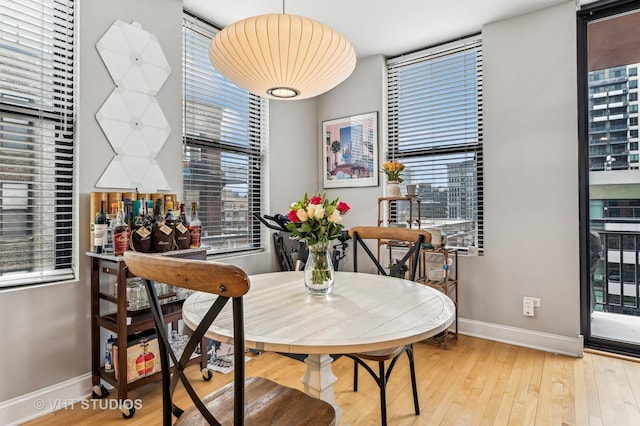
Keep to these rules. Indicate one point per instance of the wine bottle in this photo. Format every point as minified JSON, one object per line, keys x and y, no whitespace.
{"x":182,"y":234}
{"x":121,"y":232}
{"x":195,"y":226}
{"x":100,"y":229}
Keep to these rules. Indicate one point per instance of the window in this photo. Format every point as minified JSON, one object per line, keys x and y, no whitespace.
{"x":224,"y":133}
{"x":36,"y":141}
{"x":435,"y":129}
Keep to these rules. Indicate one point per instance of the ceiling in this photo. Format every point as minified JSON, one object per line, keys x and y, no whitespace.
{"x":380,"y":27}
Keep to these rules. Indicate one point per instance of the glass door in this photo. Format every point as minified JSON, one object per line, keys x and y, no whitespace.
{"x":609,"y":60}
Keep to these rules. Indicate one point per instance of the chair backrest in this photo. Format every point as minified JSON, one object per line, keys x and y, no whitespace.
{"x":229,"y":283}
{"x":407,"y":239}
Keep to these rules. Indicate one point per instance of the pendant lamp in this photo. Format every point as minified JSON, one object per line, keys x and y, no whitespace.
{"x":282,"y":56}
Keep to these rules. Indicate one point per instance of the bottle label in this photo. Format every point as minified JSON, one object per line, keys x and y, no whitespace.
{"x":181,"y":228}
{"x":121,"y":241}
{"x":166,"y":229}
{"x":143,"y":232}
{"x":99,"y":234}
{"x":196,"y":235}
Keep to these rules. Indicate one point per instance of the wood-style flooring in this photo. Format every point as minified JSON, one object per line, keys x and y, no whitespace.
{"x":473,"y":382}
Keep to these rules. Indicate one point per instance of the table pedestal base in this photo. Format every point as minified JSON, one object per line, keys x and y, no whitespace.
{"x":318,"y":380}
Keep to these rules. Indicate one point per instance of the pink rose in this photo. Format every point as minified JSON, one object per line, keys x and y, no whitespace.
{"x":343,"y":207}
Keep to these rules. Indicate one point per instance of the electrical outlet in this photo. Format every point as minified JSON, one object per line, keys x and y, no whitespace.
{"x":527,"y":307}
{"x":536,"y":301}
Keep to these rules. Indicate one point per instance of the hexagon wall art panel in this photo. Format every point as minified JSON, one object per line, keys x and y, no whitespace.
{"x":134,"y":58}
{"x":131,"y":117}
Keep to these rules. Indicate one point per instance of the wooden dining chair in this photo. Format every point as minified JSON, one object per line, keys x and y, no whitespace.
{"x":406,"y":241}
{"x":254,"y":401}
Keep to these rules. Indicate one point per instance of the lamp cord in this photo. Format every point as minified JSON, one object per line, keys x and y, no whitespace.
{"x":283,"y":7}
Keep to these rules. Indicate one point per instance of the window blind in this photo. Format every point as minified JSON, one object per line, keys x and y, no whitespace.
{"x":435,"y":130}
{"x":224,"y":134}
{"x":36,"y":141}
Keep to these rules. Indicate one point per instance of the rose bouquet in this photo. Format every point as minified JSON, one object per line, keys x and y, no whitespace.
{"x":316,"y":221}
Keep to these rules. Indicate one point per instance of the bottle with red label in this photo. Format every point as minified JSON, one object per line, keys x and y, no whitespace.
{"x":195,"y":226}
{"x":121,"y":233}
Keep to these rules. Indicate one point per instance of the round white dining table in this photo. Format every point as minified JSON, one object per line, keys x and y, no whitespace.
{"x":364,"y":312}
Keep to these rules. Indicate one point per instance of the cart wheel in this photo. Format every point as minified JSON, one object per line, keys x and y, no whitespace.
{"x":206,"y":374}
{"x":127,"y":409}
{"x":99,"y":392}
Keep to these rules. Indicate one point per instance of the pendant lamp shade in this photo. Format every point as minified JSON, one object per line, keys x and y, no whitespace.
{"x":282,"y":56}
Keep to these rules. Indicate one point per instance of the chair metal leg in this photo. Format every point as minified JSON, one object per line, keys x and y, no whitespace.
{"x":414,"y":384}
{"x":382,"y":384}
{"x":355,"y":375}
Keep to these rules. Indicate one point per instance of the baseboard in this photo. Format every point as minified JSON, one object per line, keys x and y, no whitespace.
{"x":522,"y":337}
{"x":44,"y":401}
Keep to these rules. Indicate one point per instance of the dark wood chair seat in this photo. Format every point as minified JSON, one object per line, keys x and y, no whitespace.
{"x":267,"y":403}
{"x":253,"y":401}
{"x":381,"y":355}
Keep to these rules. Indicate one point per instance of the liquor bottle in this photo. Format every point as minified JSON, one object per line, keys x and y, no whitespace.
{"x":126,"y":212}
{"x":182,"y":234}
{"x":108,"y":356}
{"x":162,"y":234}
{"x":121,"y":233}
{"x":170,"y":217}
{"x":149,"y":212}
{"x":195,"y":226}
{"x":100,"y":229}
{"x":141,"y":234}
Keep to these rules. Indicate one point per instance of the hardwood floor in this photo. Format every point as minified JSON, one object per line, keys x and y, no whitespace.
{"x":473,"y":382}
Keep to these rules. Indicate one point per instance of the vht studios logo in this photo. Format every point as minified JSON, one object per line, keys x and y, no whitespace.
{"x":87,"y":404}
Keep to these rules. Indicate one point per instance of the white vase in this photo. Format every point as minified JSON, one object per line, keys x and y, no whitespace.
{"x":393,"y":189}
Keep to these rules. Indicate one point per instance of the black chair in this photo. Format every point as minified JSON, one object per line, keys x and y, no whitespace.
{"x":256,"y":401}
{"x":402,"y":239}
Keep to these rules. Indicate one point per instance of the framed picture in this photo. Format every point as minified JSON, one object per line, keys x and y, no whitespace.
{"x":350,"y":151}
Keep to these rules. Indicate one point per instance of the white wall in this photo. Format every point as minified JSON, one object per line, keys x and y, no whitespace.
{"x":531,"y":190}
{"x":531,"y":178}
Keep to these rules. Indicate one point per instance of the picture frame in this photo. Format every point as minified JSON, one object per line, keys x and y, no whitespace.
{"x":349,"y":148}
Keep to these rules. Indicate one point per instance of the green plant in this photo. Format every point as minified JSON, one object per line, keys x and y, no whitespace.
{"x":398,"y":270}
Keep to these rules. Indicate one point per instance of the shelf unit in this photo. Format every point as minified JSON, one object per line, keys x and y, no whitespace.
{"x":393,"y":203}
{"x":103,"y":266}
{"x":448,"y":282}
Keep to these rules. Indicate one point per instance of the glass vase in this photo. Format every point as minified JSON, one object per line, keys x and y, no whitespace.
{"x":318,"y":271}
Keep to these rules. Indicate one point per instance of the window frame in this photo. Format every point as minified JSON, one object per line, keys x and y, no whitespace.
{"x":254,"y":152}
{"x":430,"y":150}
{"x":37,"y":126}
